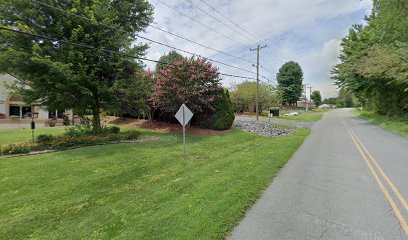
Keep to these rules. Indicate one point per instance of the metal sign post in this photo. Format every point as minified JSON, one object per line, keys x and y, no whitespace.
{"x":184,"y":115}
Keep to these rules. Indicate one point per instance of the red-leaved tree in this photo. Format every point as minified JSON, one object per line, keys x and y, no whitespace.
{"x":193,"y":81}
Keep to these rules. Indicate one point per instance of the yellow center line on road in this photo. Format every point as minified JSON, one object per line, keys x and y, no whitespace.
{"x":392,"y":186}
{"x":384,"y":190}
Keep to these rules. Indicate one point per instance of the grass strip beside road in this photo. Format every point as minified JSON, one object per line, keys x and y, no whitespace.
{"x":304,"y":117}
{"x":141,"y":191}
{"x":395,"y":125}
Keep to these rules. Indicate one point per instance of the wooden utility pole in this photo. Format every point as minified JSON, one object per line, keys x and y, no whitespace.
{"x":257,"y":49}
{"x":310,"y":96}
{"x":304,"y":91}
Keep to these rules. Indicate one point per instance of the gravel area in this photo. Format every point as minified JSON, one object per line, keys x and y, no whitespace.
{"x":262,"y":128}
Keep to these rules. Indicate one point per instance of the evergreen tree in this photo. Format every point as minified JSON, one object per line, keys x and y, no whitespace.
{"x":290,"y":80}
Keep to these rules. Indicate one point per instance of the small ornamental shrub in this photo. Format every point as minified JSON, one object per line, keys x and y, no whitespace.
{"x":131,"y":135}
{"x":114,"y":129}
{"x":44,"y":138}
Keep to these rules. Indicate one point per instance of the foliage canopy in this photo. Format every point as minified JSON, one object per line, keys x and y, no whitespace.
{"x":290,"y":79}
{"x":58,"y":75}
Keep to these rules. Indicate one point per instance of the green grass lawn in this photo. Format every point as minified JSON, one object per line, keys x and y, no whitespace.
{"x":309,"y":116}
{"x":24,"y":135}
{"x":140,"y":191}
{"x":398,"y":126}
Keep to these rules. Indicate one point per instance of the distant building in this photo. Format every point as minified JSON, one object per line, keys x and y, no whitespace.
{"x":301,"y":103}
{"x":12,"y":107}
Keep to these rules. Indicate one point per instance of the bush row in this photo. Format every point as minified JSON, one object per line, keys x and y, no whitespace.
{"x":73,"y":137}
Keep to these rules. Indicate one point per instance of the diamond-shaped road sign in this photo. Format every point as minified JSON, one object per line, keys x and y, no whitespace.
{"x":184,"y":115}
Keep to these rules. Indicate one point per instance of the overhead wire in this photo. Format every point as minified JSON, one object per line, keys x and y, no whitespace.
{"x":106,"y":51}
{"x":198,"y":22}
{"x":148,"y":39}
{"x":243,"y":29}
{"x":200,"y":44}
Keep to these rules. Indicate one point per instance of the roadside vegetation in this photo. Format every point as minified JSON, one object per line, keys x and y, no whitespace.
{"x":393,"y":124}
{"x":72,"y":137}
{"x":374,"y":55}
{"x":141,"y":191}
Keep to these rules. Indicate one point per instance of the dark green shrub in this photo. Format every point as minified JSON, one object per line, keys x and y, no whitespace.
{"x":224,"y":117}
{"x":44,"y":138}
{"x":114,"y":129}
{"x":130,"y":135}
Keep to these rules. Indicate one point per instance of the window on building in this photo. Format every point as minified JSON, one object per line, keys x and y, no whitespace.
{"x":15,"y":111}
{"x":26,"y":111}
{"x":56,"y":113}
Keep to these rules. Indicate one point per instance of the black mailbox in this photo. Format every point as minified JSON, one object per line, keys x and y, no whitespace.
{"x":274,"y":112}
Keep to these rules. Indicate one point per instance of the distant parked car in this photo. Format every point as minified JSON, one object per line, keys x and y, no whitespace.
{"x":291,"y":114}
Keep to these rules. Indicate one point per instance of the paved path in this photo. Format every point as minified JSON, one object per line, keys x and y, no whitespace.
{"x":293,"y":123}
{"x":327,"y":190}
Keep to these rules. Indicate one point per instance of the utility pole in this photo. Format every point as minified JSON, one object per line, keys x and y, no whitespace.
{"x":310,"y":96}
{"x":304,"y":91}
{"x":257,"y":49}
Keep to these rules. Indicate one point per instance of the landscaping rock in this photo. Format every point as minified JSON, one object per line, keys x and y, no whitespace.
{"x":262,"y":128}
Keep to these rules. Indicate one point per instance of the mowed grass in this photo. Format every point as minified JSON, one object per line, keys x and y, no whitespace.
{"x":309,"y":116}
{"x":140,"y":191}
{"x":395,"y":125}
{"x":24,"y":135}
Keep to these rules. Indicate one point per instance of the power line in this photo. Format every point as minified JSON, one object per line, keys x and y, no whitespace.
{"x":235,"y":24}
{"x":200,"y":44}
{"x":243,"y":29}
{"x":218,"y":20}
{"x":106,"y":51}
{"x":155,"y":27}
{"x":202,"y":24}
{"x":130,"y":35}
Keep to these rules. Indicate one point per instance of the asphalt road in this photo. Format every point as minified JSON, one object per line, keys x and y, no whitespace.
{"x":333,"y":189}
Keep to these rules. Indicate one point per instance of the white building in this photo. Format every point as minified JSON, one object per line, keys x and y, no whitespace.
{"x":14,"y":110}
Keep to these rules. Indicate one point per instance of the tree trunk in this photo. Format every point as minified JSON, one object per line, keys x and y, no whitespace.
{"x":95,"y":113}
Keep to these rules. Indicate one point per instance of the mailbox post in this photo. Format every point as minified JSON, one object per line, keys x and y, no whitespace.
{"x":33,"y":116}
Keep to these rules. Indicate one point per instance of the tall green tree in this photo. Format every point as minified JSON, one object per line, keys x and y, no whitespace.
{"x":59,"y":75}
{"x":317,"y":98}
{"x":345,"y":99}
{"x":243,"y":96}
{"x":290,"y":79}
{"x":171,"y":57}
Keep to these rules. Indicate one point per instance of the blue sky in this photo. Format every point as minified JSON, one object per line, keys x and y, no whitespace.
{"x":305,"y":31}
